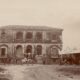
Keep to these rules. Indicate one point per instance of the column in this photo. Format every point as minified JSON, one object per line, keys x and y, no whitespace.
{"x":44,"y":36}
{"x":34,"y":33}
{"x":14,"y":35}
{"x":24,"y":36}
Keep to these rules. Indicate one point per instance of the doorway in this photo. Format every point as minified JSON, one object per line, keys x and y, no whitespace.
{"x":39,"y":49}
{"x":29,"y":49}
{"x":19,"y":51}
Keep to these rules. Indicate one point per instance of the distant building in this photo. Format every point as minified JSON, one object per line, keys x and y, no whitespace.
{"x":16,"y":41}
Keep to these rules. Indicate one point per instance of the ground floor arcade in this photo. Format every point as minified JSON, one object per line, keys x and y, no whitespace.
{"x":20,"y":49}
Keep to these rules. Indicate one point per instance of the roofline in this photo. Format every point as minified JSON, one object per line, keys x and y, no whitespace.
{"x":15,"y":27}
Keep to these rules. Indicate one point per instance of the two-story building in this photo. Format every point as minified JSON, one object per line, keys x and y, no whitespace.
{"x":17,"y":40}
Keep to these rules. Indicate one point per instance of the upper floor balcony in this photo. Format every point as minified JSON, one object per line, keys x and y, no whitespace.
{"x":29,"y":37}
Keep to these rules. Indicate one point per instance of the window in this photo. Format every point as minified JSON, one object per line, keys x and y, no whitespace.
{"x":29,"y":35}
{"x":39,"y":36}
{"x":51,"y":36}
{"x":54,"y":36}
{"x":19,"y":35}
{"x":3,"y":34}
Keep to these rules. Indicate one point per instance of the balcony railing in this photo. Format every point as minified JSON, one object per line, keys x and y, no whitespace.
{"x":6,"y":40}
{"x":29,"y":40}
{"x":38,"y":40}
{"x":18,"y":40}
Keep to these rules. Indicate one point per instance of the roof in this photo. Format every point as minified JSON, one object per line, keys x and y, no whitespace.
{"x":75,"y":51}
{"x":29,"y":27}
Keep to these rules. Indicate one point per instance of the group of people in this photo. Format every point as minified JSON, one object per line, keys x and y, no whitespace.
{"x":33,"y":58}
{"x":28,"y":58}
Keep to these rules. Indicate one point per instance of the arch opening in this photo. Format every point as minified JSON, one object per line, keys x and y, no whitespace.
{"x":29,"y":49}
{"x":39,"y":49}
{"x":3,"y":50}
{"x":19,"y":51}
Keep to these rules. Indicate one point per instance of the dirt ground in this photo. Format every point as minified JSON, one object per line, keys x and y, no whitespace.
{"x":40,"y":72}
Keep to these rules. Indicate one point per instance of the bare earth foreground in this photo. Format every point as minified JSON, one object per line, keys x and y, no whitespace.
{"x":40,"y":72}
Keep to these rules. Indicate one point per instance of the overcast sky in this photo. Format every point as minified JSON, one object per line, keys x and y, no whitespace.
{"x":56,"y":13}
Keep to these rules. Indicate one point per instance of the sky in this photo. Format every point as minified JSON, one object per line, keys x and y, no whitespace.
{"x":63,"y":14}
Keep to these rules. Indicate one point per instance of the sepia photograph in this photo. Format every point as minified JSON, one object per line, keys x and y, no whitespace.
{"x":39,"y":40}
